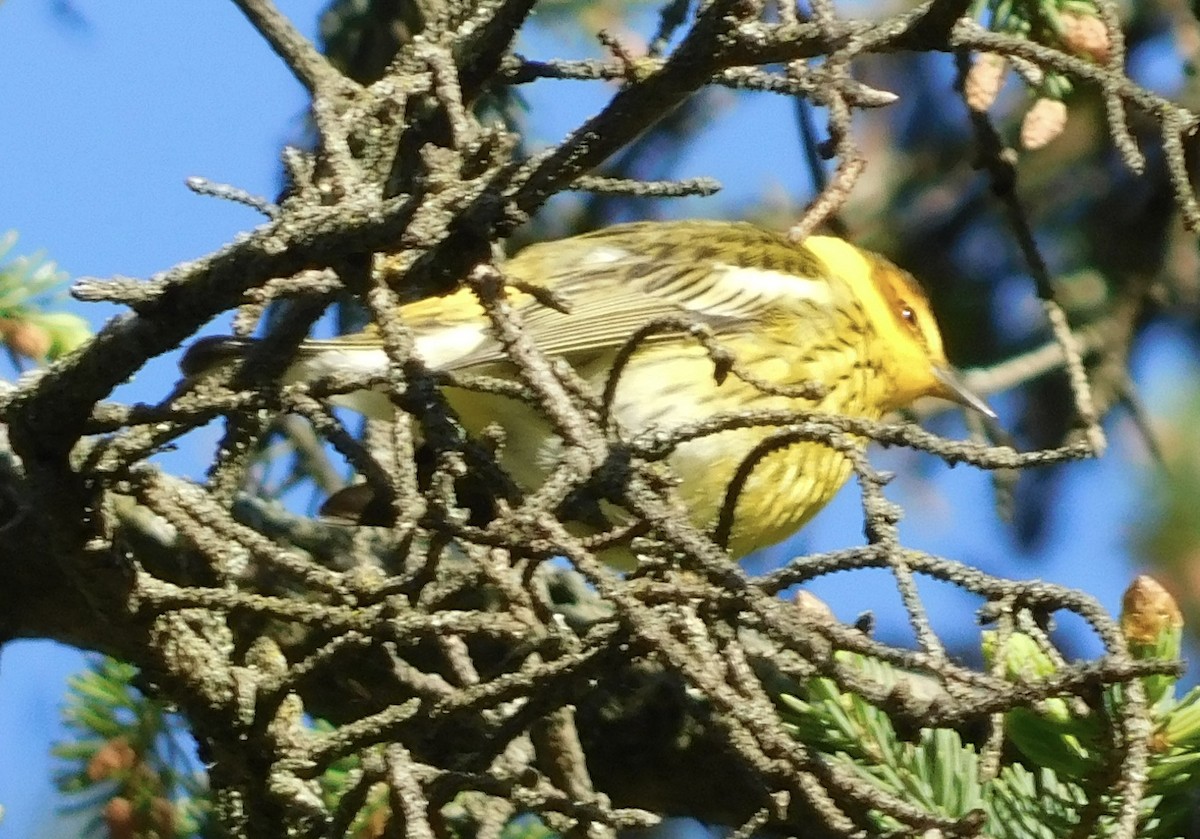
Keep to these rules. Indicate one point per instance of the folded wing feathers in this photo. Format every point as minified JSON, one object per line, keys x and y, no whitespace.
{"x":620,"y":292}
{"x":619,"y":296}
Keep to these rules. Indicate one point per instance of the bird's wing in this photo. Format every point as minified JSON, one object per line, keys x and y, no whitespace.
{"x":600,"y":318}
{"x":611,"y":291}
{"x":615,"y":282}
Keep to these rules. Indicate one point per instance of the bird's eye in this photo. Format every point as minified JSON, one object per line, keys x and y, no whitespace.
{"x":908,"y":315}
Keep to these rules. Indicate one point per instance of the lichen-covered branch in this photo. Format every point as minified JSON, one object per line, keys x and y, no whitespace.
{"x":462,"y":678}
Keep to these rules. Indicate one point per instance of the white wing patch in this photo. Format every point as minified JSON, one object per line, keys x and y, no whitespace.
{"x":603,"y":255}
{"x":739,"y":286}
{"x":334,"y":360}
{"x":440,"y":348}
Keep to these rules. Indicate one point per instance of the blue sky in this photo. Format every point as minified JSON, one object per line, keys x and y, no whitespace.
{"x":101,"y":124}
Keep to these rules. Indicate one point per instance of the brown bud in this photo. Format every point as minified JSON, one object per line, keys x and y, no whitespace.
{"x":1147,"y":610}
{"x":984,"y":80}
{"x":25,"y":338}
{"x":120,"y":819}
{"x":113,"y":757}
{"x":376,"y":824}
{"x":1085,"y":35}
{"x":1043,"y":122}
{"x":162,"y":816}
{"x":813,"y":607}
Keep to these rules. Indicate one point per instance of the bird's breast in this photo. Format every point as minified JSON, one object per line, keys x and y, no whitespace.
{"x":781,"y":478}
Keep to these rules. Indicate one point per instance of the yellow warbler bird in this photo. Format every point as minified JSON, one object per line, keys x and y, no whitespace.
{"x":822,"y":312}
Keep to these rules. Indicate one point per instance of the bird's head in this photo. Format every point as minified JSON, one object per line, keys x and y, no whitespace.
{"x":906,"y":339}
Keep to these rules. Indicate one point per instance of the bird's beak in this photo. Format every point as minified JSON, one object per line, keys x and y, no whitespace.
{"x":954,"y":390}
